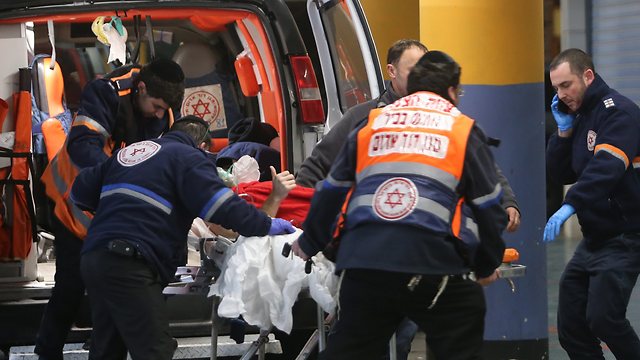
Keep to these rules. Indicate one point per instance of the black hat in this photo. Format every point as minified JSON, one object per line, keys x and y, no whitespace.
{"x":252,"y":130}
{"x":166,"y":70}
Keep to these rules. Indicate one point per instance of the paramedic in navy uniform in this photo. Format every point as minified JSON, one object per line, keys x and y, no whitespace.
{"x":408,"y":166}
{"x":596,"y":147}
{"x":130,"y":104}
{"x":145,"y":198}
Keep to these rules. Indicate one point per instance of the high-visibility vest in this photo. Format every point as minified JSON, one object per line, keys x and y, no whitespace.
{"x":409,"y":162}
{"x":60,"y":173}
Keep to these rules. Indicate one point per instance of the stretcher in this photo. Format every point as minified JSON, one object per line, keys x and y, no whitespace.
{"x":196,"y":280}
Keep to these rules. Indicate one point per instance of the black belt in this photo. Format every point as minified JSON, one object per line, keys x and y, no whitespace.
{"x":123,"y":248}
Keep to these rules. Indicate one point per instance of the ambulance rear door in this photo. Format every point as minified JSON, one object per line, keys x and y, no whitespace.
{"x":349,"y":63}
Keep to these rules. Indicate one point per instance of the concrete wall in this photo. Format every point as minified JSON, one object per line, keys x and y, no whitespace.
{"x":391,"y":21}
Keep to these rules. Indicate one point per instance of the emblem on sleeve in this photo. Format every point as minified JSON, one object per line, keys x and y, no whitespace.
{"x":591,"y":140}
{"x":395,"y":198}
{"x":608,"y":103}
{"x":136,"y":153}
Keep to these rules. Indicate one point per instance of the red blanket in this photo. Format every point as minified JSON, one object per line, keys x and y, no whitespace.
{"x":293,"y":208}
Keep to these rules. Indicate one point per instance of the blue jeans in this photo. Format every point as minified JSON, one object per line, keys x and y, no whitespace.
{"x":405,"y":333}
{"x":594,"y":293}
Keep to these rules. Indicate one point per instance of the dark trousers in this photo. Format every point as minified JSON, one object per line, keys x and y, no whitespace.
{"x":127,"y":307}
{"x":66,"y":296}
{"x":373,"y":303}
{"x":594,"y":293}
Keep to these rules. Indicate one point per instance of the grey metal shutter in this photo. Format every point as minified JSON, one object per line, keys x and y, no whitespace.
{"x":616,"y":44}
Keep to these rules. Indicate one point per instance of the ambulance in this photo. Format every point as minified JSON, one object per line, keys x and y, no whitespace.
{"x":295,"y":64}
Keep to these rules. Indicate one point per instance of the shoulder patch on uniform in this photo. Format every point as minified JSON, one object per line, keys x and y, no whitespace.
{"x":608,"y":103}
{"x":138,"y":152}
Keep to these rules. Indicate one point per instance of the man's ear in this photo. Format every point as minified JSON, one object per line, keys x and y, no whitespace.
{"x":453,"y":94}
{"x":142,"y":87}
{"x":391,"y":71}
{"x":588,"y":76}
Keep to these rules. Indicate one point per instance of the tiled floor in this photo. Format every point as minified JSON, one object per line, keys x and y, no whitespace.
{"x":559,"y":253}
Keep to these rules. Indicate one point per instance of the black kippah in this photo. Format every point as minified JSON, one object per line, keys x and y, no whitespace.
{"x":167,"y":70}
{"x":194,"y":119}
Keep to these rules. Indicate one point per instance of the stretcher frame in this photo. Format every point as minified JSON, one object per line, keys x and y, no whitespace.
{"x":200,"y":278}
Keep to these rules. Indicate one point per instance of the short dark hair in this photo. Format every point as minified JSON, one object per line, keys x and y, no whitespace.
{"x":436,"y":72}
{"x":193,"y":126}
{"x":399,"y":47}
{"x":164,"y":80}
{"x":579,"y":61}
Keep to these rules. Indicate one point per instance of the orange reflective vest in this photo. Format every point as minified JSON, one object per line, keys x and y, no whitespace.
{"x":410,"y":159}
{"x":59,"y":175}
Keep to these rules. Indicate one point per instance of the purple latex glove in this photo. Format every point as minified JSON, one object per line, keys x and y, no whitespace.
{"x":281,"y":226}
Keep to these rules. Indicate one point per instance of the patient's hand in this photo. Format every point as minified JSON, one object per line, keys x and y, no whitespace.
{"x":282,"y":183}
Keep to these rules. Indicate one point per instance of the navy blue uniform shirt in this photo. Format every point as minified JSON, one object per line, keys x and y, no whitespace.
{"x":149,"y":193}
{"x":599,"y":158}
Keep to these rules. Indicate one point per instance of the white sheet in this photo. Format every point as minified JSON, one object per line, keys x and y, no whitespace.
{"x":260,"y":284}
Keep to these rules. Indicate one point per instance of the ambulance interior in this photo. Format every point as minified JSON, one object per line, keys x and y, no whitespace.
{"x":229,"y":65}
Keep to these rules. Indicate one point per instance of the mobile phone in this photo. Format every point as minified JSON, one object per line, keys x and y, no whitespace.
{"x":562,"y":107}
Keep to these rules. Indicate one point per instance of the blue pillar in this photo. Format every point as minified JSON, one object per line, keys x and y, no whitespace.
{"x":499,"y":45}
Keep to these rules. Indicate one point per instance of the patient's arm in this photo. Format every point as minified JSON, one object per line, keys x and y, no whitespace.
{"x":219,"y":230}
{"x":282,"y":184}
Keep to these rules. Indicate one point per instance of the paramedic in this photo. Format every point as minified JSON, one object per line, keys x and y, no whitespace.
{"x":138,"y":235}
{"x":128,"y":105}
{"x":596,"y":147}
{"x":407,"y":167}
{"x":401,"y":57}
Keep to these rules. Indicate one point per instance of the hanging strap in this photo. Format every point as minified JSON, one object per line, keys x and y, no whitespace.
{"x":136,"y":30}
{"x":149,"y":30}
{"x":52,"y":40}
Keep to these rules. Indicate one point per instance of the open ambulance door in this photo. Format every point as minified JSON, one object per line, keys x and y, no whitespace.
{"x":348,"y":58}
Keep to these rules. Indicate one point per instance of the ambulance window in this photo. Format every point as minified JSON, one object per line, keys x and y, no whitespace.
{"x":348,"y":61}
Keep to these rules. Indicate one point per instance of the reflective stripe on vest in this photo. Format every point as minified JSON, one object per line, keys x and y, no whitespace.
{"x":58,"y":178}
{"x":410,"y":158}
{"x":463,"y":227}
{"x":60,"y":174}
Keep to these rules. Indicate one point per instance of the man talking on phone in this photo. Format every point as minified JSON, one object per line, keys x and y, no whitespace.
{"x":597,"y":147}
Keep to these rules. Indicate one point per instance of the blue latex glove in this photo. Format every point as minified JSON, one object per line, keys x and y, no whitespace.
{"x":281,"y":226}
{"x":564,"y":120}
{"x":555,"y":222}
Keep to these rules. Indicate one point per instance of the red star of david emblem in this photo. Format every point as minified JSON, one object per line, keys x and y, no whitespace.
{"x":398,"y":198}
{"x":201,"y":108}
{"x":135,"y":151}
